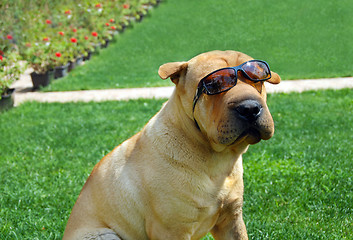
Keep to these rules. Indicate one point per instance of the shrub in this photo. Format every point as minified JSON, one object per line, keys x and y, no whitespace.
{"x":10,"y":65}
{"x":51,"y":33}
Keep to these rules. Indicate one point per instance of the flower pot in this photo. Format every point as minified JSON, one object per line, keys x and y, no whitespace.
{"x":105,"y":44}
{"x":123,"y":27}
{"x":41,"y":79}
{"x":72,"y":65}
{"x":96,"y":48}
{"x":140,"y":17}
{"x":79,"y":61}
{"x":7,"y":101}
{"x":61,"y":71}
{"x":88,"y":57}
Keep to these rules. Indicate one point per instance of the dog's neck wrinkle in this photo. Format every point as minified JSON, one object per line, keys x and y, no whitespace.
{"x":178,"y":117}
{"x":174,"y":114}
{"x":177,"y":146}
{"x":173,"y":121}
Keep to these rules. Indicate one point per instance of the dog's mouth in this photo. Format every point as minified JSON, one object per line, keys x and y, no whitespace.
{"x":237,"y":131}
{"x":250,"y":136}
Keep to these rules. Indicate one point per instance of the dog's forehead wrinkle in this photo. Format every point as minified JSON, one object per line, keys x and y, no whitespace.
{"x":206,"y":64}
{"x":224,"y":60}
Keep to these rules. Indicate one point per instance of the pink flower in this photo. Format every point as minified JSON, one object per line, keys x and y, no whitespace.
{"x":58,"y":54}
{"x":74,"y":40}
{"x":48,"y":21}
{"x":61,"y":33}
{"x":94,"y":34}
{"x":9,"y":37}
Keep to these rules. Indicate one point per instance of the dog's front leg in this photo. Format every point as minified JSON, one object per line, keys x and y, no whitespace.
{"x":230,"y":227}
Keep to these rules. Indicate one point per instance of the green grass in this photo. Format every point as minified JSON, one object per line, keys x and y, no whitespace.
{"x":299,"y":39}
{"x":298,"y":185}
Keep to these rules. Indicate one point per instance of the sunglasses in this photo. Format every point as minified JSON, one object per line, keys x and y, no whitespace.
{"x":224,"y":79}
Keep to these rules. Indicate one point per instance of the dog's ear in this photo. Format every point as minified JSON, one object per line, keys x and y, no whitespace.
{"x":275,"y":78}
{"x":172,"y":70}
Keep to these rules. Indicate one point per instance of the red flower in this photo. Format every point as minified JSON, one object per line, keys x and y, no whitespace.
{"x":94,"y":34}
{"x":113,"y":27}
{"x":107,"y":24}
{"x":98,"y":5}
{"x":46,"y":39}
{"x":86,"y":37}
{"x":61,"y":33}
{"x":48,"y":21}
{"x":126,"y":6}
{"x":74,"y":30}
{"x":74,"y":40}
{"x":68,"y":12}
{"x":9,"y":37}
{"x":58,"y":54}
{"x":1,"y":58}
{"x":111,"y":20}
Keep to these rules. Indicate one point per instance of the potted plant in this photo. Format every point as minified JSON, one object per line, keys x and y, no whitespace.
{"x":84,"y":45}
{"x":39,"y":58}
{"x":61,"y":64}
{"x":10,"y":70}
{"x":60,"y":56}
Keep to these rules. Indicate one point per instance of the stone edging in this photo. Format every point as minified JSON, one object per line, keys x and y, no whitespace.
{"x":165,"y":92}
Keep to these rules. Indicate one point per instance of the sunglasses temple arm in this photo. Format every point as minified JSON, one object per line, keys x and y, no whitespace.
{"x":197,"y":96}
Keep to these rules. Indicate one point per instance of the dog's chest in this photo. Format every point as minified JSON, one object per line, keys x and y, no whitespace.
{"x":199,"y":210}
{"x":188,"y":219}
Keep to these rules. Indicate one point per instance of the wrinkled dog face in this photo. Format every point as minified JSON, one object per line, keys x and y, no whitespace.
{"x":229,"y":118}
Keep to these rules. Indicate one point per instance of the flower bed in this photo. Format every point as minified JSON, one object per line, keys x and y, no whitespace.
{"x":49,"y":34}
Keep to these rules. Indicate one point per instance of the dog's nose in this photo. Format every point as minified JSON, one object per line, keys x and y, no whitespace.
{"x":250,"y":110}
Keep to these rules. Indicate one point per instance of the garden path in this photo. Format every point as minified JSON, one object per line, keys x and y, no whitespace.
{"x":24,"y":93}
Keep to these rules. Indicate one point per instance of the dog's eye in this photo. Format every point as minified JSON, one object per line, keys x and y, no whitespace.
{"x":257,"y":70}
{"x":214,"y":86}
{"x":220,"y":81}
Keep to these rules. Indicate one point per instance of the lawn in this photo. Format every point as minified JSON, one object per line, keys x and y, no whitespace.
{"x":298,"y":185}
{"x":299,"y":39}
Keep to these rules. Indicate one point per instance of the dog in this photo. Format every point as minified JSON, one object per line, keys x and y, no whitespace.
{"x":181,"y":176}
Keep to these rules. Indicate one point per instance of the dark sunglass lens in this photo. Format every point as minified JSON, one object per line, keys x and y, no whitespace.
{"x":256,"y":70}
{"x":220,"y":81}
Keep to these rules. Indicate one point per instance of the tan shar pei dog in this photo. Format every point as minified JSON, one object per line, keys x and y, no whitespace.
{"x":182,"y":175}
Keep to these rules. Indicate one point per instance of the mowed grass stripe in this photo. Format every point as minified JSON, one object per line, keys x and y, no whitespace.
{"x":299,"y":39}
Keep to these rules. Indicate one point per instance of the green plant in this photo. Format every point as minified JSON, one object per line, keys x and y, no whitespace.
{"x":38,"y":55}
{"x":10,"y":66}
{"x":10,"y":70}
{"x":36,"y":25}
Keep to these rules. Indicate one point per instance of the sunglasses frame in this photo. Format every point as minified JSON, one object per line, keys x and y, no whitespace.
{"x":201,"y":88}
